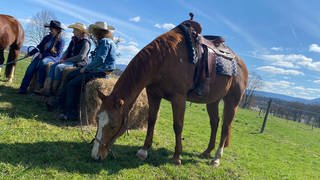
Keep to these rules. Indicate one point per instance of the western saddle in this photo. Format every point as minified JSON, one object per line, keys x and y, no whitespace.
{"x":203,"y":51}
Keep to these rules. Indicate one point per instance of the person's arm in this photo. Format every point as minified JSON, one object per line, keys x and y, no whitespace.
{"x":82,"y":55}
{"x":101,"y":55}
{"x":40,"y":46}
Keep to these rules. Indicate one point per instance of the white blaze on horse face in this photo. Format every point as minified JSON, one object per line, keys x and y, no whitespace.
{"x":103,"y":121}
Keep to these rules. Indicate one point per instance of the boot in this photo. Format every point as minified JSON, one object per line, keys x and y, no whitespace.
{"x":46,"y":88}
{"x":202,"y":88}
{"x":55,"y":86}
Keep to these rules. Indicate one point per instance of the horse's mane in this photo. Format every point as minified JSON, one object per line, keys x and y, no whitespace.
{"x":148,"y":61}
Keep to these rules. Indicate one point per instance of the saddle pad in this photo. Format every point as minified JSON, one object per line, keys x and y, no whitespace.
{"x":225,"y":66}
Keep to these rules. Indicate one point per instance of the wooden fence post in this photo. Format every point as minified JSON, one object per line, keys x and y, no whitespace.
{"x":266,"y":116}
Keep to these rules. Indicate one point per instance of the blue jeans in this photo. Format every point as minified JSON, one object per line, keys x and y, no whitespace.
{"x":56,"y":70}
{"x":70,"y":95}
{"x":37,"y":64}
{"x":42,"y":69}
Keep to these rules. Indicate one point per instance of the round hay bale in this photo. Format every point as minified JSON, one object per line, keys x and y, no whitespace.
{"x":91,"y":103}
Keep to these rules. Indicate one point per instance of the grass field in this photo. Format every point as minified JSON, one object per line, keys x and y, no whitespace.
{"x":34,"y":145}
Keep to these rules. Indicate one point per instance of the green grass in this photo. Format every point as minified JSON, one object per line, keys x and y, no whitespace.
{"x":34,"y":145}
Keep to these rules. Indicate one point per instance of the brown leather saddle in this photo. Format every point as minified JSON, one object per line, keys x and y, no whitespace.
{"x":207,"y":50}
{"x":203,"y":52}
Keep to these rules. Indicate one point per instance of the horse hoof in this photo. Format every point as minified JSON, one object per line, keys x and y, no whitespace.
{"x":142,"y":154}
{"x":215,"y":163}
{"x":177,"y":162}
{"x":205,"y":155}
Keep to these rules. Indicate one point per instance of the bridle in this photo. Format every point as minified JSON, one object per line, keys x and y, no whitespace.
{"x":124,"y":126}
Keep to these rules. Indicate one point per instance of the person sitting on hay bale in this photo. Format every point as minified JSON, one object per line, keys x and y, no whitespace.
{"x":102,"y":64}
{"x":76,"y":55}
{"x":50,"y":50}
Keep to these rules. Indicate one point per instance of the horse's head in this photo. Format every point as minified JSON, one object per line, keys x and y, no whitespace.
{"x":111,"y":124}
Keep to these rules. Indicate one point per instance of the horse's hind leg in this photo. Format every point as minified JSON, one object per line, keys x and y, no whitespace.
{"x":1,"y":58}
{"x":154,"y":104}
{"x":213,"y":112}
{"x":10,"y":68}
{"x":230,"y":108}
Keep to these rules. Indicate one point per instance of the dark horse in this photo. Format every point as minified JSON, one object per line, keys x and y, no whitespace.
{"x":12,"y":36}
{"x":163,"y":67}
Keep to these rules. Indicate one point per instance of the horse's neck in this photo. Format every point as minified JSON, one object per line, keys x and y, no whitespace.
{"x":137,"y":75}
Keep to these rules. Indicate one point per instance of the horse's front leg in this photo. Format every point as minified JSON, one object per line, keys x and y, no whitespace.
{"x":154,"y":104}
{"x":178,"y":104}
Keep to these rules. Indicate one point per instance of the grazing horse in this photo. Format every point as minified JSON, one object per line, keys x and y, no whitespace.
{"x":164,"y":68}
{"x":12,"y":36}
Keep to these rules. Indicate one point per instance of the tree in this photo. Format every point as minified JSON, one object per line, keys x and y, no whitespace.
{"x":35,"y":30}
{"x":255,"y":82}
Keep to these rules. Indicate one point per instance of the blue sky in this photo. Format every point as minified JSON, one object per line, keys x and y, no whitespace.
{"x":278,"y":40}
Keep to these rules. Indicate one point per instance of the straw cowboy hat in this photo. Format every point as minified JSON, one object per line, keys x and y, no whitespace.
{"x":54,"y":24}
{"x":100,"y":25}
{"x":79,"y":26}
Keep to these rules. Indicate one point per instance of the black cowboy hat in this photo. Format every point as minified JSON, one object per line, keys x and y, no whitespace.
{"x":54,"y":24}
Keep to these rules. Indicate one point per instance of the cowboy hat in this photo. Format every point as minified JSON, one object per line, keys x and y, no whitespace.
{"x":100,"y":25}
{"x":79,"y":26}
{"x":54,"y":24}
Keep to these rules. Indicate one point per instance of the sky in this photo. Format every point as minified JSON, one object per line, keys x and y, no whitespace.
{"x":279,"y":40}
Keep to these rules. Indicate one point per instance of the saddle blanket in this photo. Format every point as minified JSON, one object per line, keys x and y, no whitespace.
{"x":225,"y":66}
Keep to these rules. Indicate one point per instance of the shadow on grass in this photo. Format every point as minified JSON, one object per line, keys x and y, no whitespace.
{"x":75,"y":157}
{"x":27,"y":106}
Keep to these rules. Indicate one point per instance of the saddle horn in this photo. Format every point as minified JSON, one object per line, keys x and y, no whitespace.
{"x":191,"y":16}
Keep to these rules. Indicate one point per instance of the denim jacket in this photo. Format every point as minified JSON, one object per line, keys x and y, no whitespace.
{"x":104,"y":57}
{"x":45,"y":47}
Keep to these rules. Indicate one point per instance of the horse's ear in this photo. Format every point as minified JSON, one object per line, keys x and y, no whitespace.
{"x":101,"y":95}
{"x":119,"y":104}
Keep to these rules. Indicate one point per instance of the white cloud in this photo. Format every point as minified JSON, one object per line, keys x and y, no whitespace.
{"x":275,"y":70}
{"x":135,"y":19}
{"x":131,"y":49}
{"x":277,"y":48}
{"x":25,"y":20}
{"x":133,"y":43}
{"x":166,"y":26}
{"x":292,"y":61}
{"x":317,"y":81}
{"x":289,"y":88}
{"x":127,"y":51}
{"x":314,"y":48}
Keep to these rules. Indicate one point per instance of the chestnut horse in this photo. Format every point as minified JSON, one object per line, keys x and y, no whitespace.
{"x":163,"y":67}
{"x":12,"y":36}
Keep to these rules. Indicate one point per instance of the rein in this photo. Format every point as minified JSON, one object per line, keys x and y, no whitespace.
{"x":86,"y":115}
{"x":20,"y":58}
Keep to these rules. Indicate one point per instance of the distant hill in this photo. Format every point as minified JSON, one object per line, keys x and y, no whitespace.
{"x":286,"y":97}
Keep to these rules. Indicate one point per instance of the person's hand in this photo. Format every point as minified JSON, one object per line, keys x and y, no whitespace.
{"x":82,"y":70}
